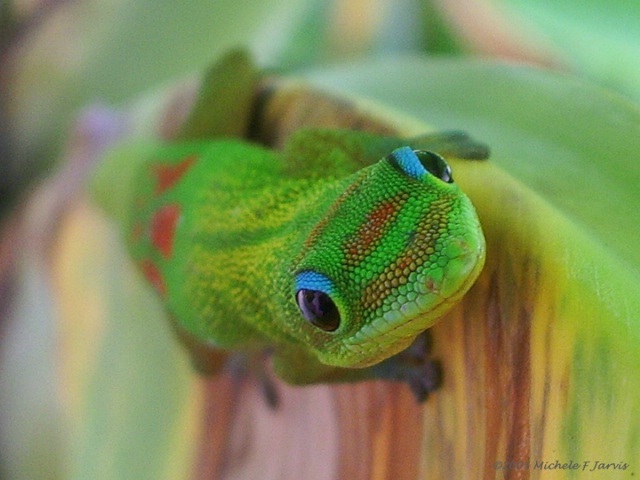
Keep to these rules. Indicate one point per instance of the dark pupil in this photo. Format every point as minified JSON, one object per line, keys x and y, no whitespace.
{"x":318,"y":308}
{"x":435,"y":165}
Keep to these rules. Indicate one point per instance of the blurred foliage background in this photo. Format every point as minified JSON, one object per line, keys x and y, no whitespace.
{"x":57,"y":56}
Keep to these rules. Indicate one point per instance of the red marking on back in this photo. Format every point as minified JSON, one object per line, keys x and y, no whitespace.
{"x":154,"y":276}
{"x":167,"y":175}
{"x":163,"y":228}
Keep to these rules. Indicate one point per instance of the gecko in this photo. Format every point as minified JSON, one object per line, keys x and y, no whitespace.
{"x":334,"y":254}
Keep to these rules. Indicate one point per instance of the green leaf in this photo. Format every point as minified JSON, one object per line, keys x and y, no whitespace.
{"x":595,"y":38}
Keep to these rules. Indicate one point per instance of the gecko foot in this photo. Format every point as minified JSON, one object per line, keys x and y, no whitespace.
{"x":427,"y":380}
{"x":243,"y":367}
{"x":414,"y":367}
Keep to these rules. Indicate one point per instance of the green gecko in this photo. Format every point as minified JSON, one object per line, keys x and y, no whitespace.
{"x":334,"y":254}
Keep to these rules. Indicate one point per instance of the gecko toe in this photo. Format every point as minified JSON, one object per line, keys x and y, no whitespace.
{"x":414,"y":367}
{"x":425,"y":380}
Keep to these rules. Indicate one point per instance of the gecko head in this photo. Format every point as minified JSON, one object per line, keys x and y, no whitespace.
{"x":393,"y":253}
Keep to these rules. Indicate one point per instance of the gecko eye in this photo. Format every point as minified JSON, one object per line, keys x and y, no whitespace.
{"x":318,"y":309}
{"x":435,"y":165}
{"x":417,"y":163}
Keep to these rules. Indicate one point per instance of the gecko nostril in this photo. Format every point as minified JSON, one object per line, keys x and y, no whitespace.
{"x":432,"y":286}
